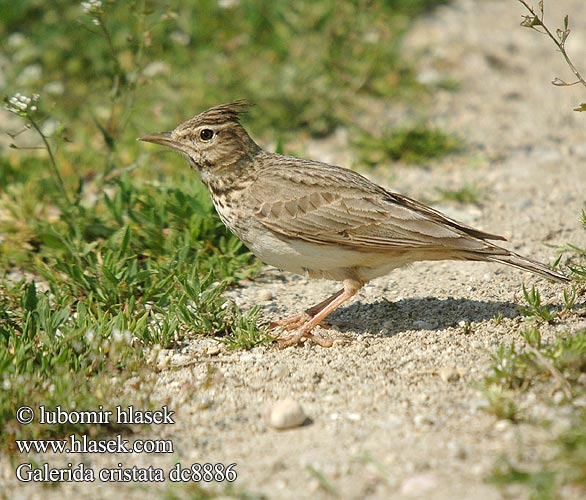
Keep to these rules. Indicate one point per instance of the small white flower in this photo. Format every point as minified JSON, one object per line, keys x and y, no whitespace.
{"x":96,"y":21}
{"x":22,"y":105}
{"x":92,"y":7}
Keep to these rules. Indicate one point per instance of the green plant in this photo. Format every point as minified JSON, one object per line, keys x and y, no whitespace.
{"x":544,"y":312}
{"x":544,"y":369}
{"x":577,"y":264}
{"x":535,"y":308}
{"x":466,"y":194}
{"x":536,"y":21}
{"x":566,"y":470}
{"x":411,"y":145}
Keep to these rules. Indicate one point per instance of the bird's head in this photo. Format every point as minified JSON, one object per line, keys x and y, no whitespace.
{"x":211,"y":141}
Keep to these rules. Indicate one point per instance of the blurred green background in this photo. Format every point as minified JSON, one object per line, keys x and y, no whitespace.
{"x":307,"y":64}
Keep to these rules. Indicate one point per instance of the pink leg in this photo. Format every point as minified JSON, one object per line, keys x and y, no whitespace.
{"x":351,"y":287}
{"x":297,"y":321}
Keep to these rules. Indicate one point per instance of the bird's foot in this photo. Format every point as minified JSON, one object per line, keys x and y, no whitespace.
{"x":291,"y":323}
{"x":297,"y":323}
{"x":295,"y":338}
{"x":305,"y":322}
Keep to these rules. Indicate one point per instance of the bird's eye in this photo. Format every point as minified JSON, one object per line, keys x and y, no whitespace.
{"x":206,"y":134}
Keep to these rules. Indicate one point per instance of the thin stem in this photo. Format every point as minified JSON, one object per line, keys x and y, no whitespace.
{"x":115,"y":81}
{"x":558,"y":43}
{"x":53,"y":162}
{"x":117,"y":68}
{"x":132,"y":85}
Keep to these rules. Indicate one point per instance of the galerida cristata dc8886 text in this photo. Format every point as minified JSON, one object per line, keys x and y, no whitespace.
{"x":320,"y":220}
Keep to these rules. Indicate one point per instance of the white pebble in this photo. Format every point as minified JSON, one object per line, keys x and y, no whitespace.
{"x":266,"y":295}
{"x":449,"y":374}
{"x":284,"y":414}
{"x":420,"y":485}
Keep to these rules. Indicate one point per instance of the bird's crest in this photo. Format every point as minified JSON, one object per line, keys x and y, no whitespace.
{"x":223,"y":113}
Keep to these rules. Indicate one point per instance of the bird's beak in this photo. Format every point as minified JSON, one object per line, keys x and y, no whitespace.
{"x":162,"y":138}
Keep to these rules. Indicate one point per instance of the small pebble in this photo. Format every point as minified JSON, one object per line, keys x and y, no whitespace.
{"x":502,"y":425}
{"x":449,"y":374}
{"x":579,"y":150}
{"x":419,"y":485}
{"x":266,"y":295}
{"x":284,"y":414}
{"x":421,"y":420}
{"x":280,"y":371}
{"x":213,"y":351}
{"x":204,"y":402}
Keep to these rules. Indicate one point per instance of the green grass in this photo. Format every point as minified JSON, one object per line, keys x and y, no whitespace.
{"x":323,"y":482}
{"x":469,"y":193}
{"x":544,"y":369}
{"x":305,"y":62}
{"x":545,"y":312}
{"x":144,"y":259}
{"x":416,"y":144}
{"x":577,"y":256}
{"x":565,"y":471}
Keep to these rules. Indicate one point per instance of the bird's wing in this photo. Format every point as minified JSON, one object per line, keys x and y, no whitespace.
{"x":330,"y":205}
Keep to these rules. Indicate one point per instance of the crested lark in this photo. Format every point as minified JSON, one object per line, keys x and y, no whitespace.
{"x":311,"y":218}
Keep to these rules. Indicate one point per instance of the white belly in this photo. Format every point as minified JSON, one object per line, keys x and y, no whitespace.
{"x":324,"y":261}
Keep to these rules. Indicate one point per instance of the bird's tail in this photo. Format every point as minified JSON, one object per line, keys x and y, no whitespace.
{"x":520,"y":262}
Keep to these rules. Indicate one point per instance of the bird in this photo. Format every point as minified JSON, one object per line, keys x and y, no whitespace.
{"x":320,"y":220}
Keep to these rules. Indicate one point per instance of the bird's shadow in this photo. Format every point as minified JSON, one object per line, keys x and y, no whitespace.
{"x":385,"y":318}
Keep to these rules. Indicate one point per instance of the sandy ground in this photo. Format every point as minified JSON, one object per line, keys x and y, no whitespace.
{"x":394,"y":413}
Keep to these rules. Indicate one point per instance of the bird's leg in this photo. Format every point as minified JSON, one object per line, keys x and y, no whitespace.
{"x":297,"y":321}
{"x":351,"y":287}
